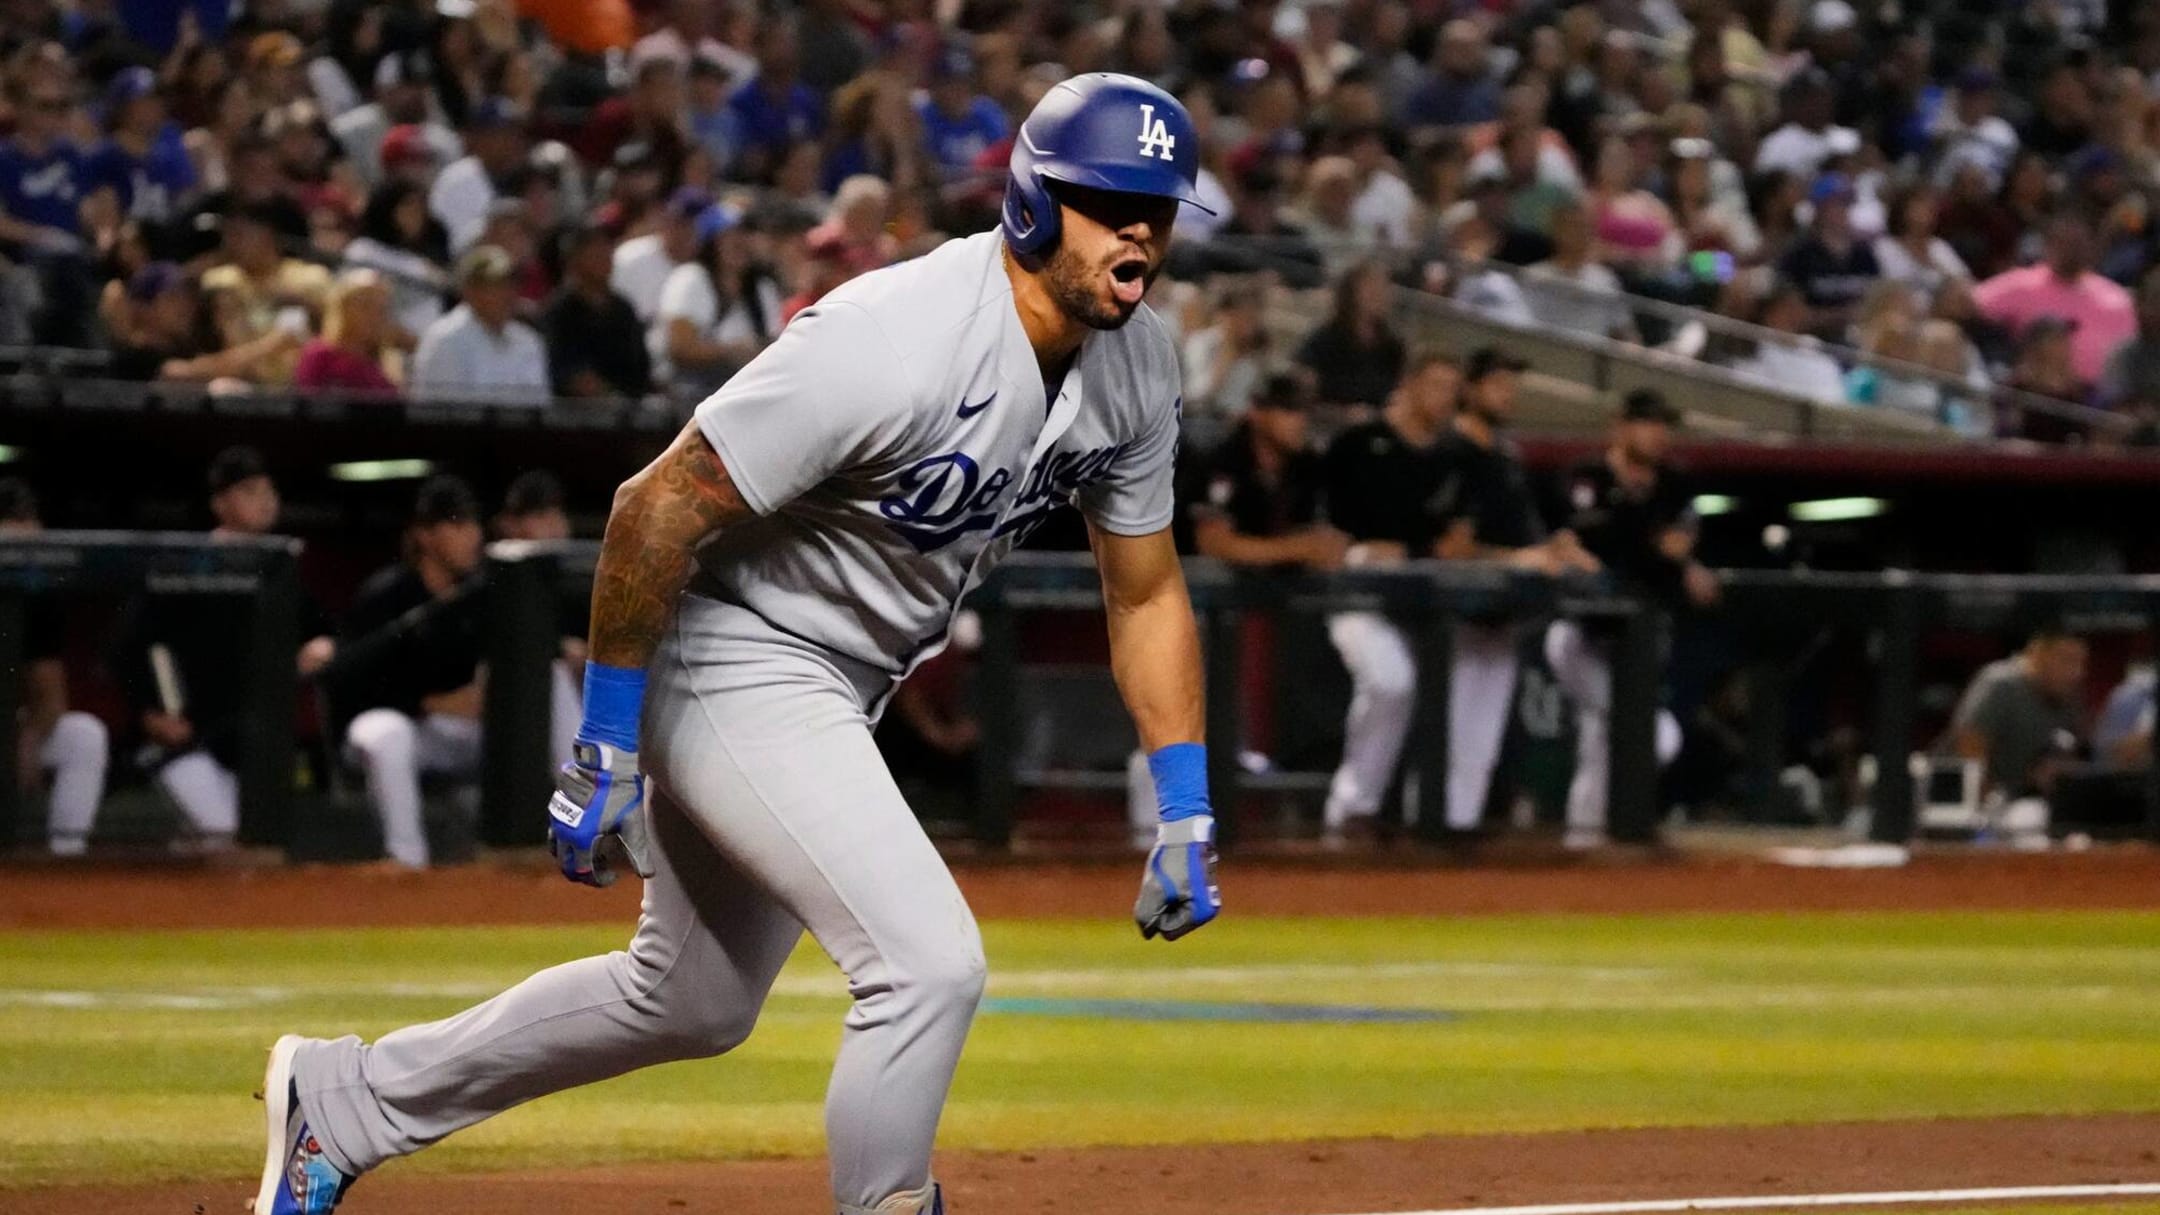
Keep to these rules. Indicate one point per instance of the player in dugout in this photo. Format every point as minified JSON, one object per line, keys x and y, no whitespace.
{"x":1634,"y":516}
{"x":1382,"y":478}
{"x":1493,"y":516}
{"x":51,"y":738}
{"x":1253,"y":501}
{"x":180,"y":655}
{"x":415,"y":706}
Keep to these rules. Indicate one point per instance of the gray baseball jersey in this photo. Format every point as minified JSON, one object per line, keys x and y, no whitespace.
{"x":895,"y":444}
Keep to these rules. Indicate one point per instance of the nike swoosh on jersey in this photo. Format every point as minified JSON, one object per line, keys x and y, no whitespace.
{"x":968,"y":411}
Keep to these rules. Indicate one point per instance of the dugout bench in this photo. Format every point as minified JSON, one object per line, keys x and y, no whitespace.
{"x":261,"y":578}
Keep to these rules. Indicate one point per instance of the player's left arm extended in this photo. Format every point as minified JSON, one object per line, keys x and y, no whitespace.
{"x":1155,"y":657}
{"x":660,"y":517}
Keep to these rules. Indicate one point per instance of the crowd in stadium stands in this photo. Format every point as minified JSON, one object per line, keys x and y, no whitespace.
{"x":420,"y":197}
{"x":508,"y":201}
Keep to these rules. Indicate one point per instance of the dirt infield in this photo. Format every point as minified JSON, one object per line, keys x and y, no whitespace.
{"x":1318,"y":1178}
{"x":523,"y":890}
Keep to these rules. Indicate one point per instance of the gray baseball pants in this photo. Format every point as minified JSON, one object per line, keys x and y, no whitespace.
{"x":772,"y":813}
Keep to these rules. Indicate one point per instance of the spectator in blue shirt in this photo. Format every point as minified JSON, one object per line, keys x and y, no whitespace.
{"x":1462,"y":89}
{"x":957,"y":122}
{"x":161,"y":24}
{"x":41,"y":196}
{"x":776,"y":110}
{"x":142,"y":160}
{"x":712,"y":121}
{"x":41,"y":172}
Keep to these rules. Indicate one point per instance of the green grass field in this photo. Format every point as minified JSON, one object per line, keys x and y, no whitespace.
{"x":135,"y":1053}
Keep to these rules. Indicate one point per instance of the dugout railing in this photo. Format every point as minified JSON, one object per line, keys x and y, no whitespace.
{"x":523,"y":584}
{"x":1891,"y":608}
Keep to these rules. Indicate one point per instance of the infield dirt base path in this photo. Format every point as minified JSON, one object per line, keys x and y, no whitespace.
{"x":520,"y":888}
{"x":1310,"y":1178}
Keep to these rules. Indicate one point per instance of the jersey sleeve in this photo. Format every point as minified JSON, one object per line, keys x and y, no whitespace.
{"x":1138,"y":498}
{"x":830,"y":394}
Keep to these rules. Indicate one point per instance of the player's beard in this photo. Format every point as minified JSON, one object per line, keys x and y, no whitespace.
{"x":1076,"y":288}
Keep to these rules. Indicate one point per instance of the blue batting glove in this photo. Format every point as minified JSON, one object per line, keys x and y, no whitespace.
{"x":1178,"y":893}
{"x":600,"y":794}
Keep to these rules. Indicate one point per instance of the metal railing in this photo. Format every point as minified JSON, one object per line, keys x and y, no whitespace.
{"x":518,"y":591}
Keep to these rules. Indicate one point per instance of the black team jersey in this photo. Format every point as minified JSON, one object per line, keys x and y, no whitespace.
{"x":1621,"y":525}
{"x":1380,"y":487}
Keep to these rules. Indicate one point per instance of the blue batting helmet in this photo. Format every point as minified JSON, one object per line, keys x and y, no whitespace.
{"x":1101,"y":130}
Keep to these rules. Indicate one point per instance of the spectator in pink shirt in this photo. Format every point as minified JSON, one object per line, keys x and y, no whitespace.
{"x":352,"y":353}
{"x":2064,"y":286}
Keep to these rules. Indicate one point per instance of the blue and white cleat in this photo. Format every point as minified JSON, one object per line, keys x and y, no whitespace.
{"x":297,"y":1178}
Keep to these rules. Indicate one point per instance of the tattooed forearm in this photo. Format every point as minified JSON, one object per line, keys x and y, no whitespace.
{"x":646,"y":559}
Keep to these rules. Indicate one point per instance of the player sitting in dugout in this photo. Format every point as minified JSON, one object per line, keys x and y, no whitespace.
{"x":179,"y":654}
{"x":2021,"y":716}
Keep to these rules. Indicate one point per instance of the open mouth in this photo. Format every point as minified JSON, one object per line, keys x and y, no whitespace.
{"x":1128,"y":280}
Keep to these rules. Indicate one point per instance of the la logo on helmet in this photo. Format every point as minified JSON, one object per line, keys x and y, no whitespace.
{"x":1155,"y":137}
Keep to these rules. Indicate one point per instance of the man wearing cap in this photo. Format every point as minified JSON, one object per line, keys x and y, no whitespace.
{"x":957,"y":122}
{"x":533,"y":509}
{"x":1808,"y":137}
{"x":595,"y":343}
{"x":1253,"y":501}
{"x":183,"y":657}
{"x":1640,"y":524}
{"x":1255,"y":498}
{"x":414,"y":700}
{"x":1381,"y":479}
{"x":1491,"y":515}
{"x":480,"y":349}
{"x":142,"y":161}
{"x":268,"y":291}
{"x":643,"y":263}
{"x":1967,"y":130}
{"x":1832,"y":267}
{"x":495,"y":146}
{"x":400,"y":125}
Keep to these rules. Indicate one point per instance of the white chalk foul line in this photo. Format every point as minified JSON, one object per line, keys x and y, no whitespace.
{"x":1786,"y":1202}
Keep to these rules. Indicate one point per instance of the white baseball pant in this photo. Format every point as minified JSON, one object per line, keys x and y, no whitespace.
{"x":1483,"y":690}
{"x":1383,"y":699}
{"x":76,"y":754}
{"x":772,"y":812}
{"x":206,"y":791}
{"x":1583,"y":670}
{"x":394,"y":751}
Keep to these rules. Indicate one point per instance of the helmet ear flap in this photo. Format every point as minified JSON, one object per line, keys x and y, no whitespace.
{"x":1031,"y":215}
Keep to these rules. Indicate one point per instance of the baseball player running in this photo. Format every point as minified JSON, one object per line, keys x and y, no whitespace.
{"x":762,"y":588}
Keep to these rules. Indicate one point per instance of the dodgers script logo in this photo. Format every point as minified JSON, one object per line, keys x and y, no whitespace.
{"x":1155,"y":137}
{"x":942,"y":498}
